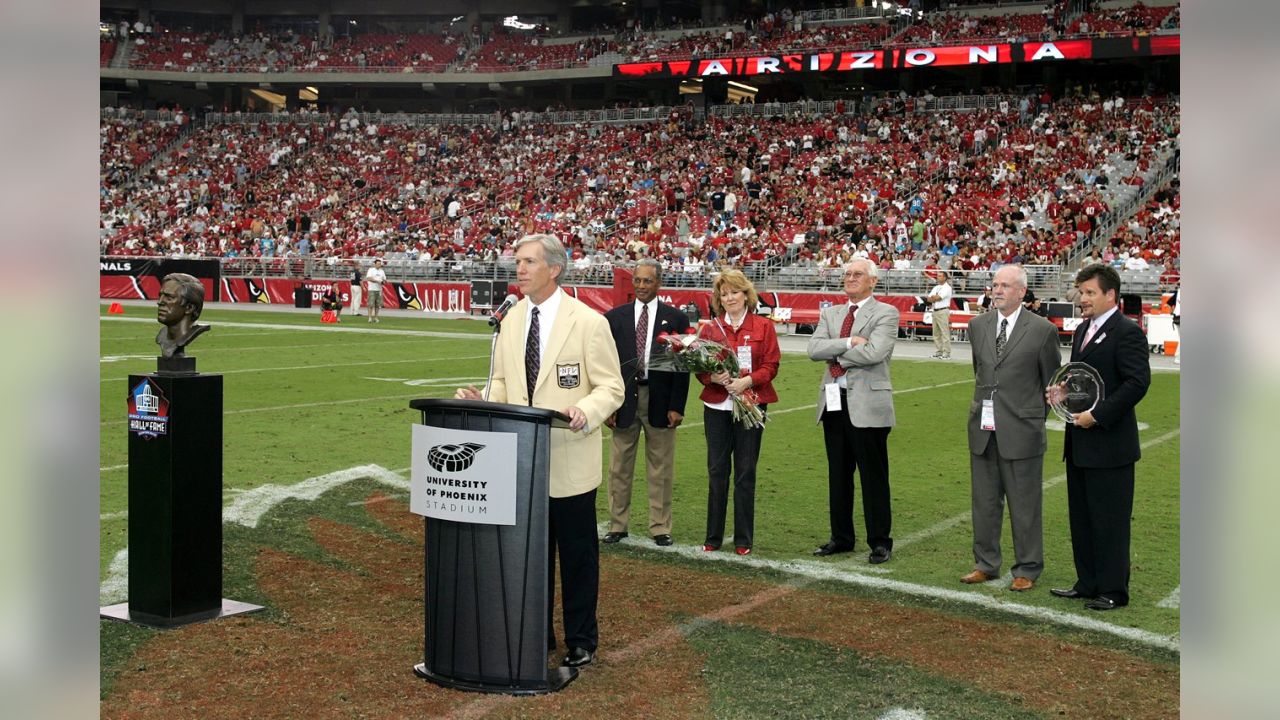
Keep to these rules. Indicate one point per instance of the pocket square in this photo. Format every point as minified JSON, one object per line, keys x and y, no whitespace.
{"x":1100,"y":338}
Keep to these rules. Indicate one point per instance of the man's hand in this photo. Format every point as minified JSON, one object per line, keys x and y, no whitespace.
{"x":1055,"y":394}
{"x":468,"y":393}
{"x":674,"y":418}
{"x":577,"y":418}
{"x":612,"y":420}
{"x":1085,"y":420}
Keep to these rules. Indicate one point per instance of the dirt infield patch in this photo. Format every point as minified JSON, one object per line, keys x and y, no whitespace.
{"x":344,"y":628}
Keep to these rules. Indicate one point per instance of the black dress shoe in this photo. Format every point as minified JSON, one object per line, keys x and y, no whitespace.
{"x":614,"y":537}
{"x":1102,"y":603}
{"x":1068,"y":593}
{"x":663,"y":540}
{"x":831,"y":549}
{"x":879,"y":554}
{"x":579,"y":657}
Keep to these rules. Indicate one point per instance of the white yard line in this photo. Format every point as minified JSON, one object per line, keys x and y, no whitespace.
{"x":335,"y":365}
{"x":814,"y":408}
{"x":323,"y":328}
{"x":1173,"y":600}
{"x":298,"y":406}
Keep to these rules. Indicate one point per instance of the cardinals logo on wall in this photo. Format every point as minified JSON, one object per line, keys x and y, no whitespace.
{"x":407,"y":295}
{"x":257,"y":293}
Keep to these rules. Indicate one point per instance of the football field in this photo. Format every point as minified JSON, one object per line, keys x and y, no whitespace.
{"x":311,"y":408}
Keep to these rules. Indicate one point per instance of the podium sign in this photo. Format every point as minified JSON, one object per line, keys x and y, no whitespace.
{"x":464,"y":475}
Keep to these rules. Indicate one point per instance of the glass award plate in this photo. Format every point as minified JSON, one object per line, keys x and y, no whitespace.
{"x":1075,"y":388}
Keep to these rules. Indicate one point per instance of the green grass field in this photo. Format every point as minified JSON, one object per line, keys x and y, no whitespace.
{"x":303,"y":401}
{"x":779,"y":634}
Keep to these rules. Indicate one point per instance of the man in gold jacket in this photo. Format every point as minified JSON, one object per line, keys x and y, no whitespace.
{"x":557,"y":353}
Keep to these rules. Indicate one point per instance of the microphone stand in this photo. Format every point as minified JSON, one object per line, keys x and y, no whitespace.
{"x":493,"y":348}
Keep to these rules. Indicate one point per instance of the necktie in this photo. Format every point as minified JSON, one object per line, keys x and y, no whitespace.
{"x":642,"y":339}
{"x":1003,"y":336}
{"x":845,"y":331}
{"x":1093,"y":326}
{"x":532,"y":355}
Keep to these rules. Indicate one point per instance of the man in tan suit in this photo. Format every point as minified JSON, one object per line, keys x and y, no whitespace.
{"x":557,"y":353}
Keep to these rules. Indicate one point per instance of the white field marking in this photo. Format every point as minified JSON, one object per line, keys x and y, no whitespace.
{"x":1173,"y":601}
{"x":814,"y":408}
{"x":113,"y":468}
{"x":365,"y":342}
{"x":335,"y":365}
{"x":248,"y":509}
{"x":429,"y":382}
{"x":250,"y":506}
{"x":113,"y":516}
{"x":295,"y":406}
{"x":1060,"y":426}
{"x":945,"y":525}
{"x":904,"y":714}
{"x":324,"y":329}
{"x":816,"y":572}
{"x":115,"y":586}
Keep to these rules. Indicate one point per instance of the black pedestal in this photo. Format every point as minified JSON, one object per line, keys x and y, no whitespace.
{"x":175,"y":502}
{"x":486,"y":586}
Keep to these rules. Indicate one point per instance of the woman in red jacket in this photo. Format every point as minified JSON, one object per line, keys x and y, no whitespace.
{"x":735,"y":324}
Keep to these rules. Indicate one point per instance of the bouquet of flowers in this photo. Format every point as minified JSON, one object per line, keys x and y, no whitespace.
{"x":690,"y":353}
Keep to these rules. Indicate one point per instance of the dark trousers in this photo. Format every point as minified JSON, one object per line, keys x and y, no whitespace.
{"x":1100,"y":506}
{"x":573,"y":535}
{"x":866,"y":450}
{"x":729,"y":443}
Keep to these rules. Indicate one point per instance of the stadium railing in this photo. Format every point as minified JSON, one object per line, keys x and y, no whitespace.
{"x":770,"y":276}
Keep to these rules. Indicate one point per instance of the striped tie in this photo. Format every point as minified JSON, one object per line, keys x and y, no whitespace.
{"x":846,"y":330}
{"x":532,"y":355}
{"x":642,"y":340}
{"x":1003,"y":336}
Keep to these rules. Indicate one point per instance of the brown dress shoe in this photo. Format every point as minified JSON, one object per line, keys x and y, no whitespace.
{"x":1022,"y":584}
{"x":977,"y":576}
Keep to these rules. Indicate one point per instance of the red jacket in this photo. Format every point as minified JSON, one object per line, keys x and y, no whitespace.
{"x":758,"y":334}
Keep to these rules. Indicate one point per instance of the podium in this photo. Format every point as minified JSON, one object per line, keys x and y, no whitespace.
{"x":486,"y":585}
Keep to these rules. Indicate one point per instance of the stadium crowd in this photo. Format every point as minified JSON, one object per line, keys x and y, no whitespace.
{"x":965,"y":190}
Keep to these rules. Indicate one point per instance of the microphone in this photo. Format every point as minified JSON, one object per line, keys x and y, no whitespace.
{"x":500,"y":313}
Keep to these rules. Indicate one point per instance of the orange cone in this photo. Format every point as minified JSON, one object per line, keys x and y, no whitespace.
{"x":115,"y":309}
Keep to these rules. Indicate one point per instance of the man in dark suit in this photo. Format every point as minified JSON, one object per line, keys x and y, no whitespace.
{"x":1015,"y":353}
{"x":1102,"y":445}
{"x":654,"y":403}
{"x":855,"y":342}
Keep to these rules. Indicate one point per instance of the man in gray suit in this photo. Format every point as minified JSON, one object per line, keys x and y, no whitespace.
{"x":854,"y":342}
{"x":1015,"y":353}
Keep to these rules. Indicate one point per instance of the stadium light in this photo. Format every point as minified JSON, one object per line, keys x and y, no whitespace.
{"x":743,"y":86}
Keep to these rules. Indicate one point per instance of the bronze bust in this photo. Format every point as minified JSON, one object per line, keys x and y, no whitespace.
{"x":178,"y":307}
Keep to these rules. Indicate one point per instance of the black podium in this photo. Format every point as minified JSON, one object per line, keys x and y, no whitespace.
{"x":175,"y":502}
{"x":486,"y":585}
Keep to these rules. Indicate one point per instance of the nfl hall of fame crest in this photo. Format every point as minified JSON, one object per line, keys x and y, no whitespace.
{"x":569,"y":376}
{"x":148,"y":410}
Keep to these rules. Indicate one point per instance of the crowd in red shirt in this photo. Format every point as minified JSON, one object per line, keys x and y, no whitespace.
{"x":811,"y":190}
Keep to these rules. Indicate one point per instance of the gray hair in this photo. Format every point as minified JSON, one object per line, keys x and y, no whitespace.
{"x":1020,"y":276}
{"x":651,"y":263}
{"x":872,"y":269}
{"x":552,"y":251}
